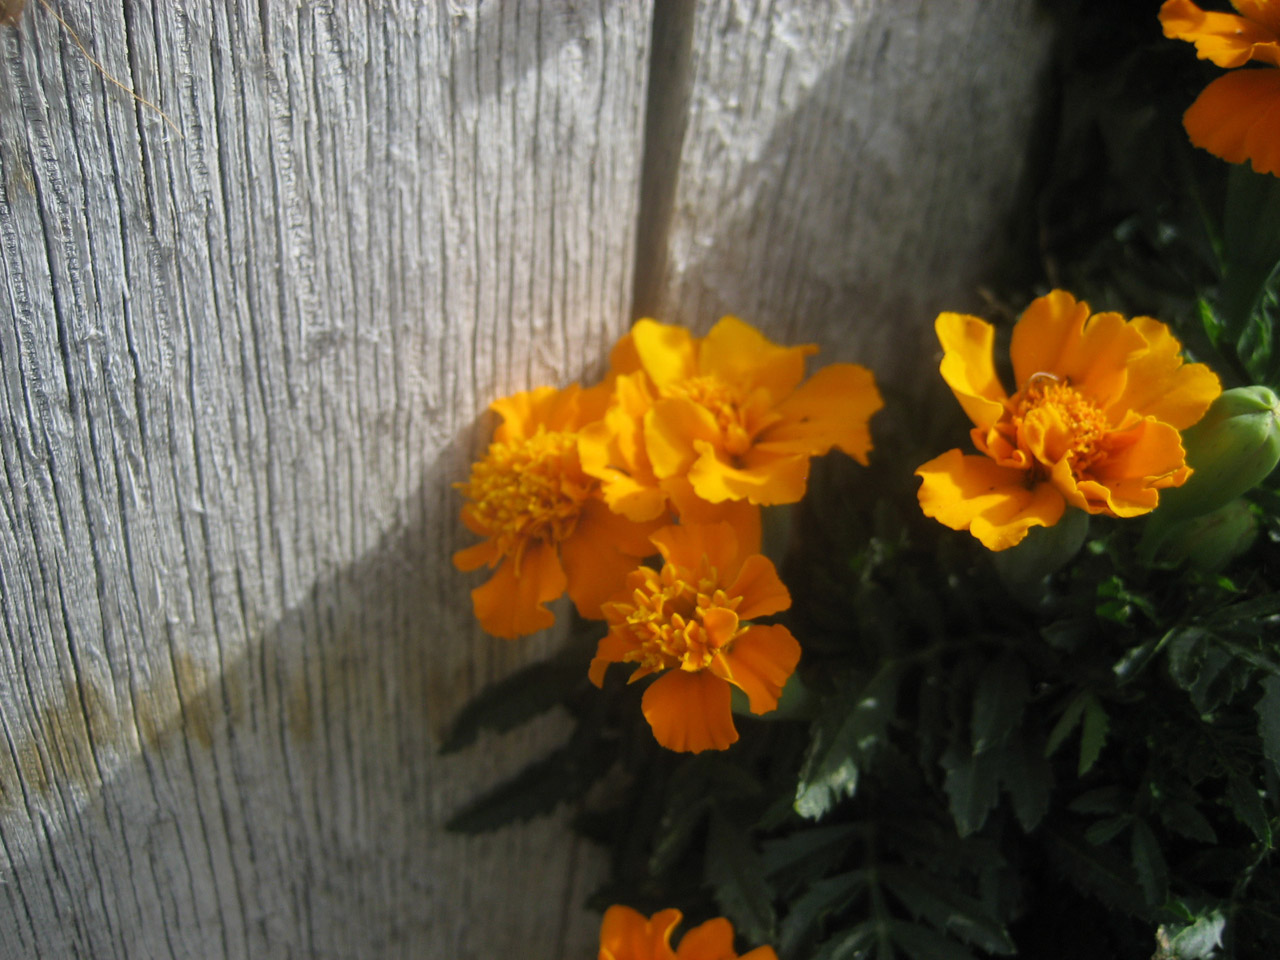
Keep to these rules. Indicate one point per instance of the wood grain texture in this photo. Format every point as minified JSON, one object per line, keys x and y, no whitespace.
{"x":240,"y":369}
{"x":848,"y":168}
{"x":242,"y":363}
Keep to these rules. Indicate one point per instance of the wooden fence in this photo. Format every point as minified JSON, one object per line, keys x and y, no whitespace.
{"x":246,"y":345}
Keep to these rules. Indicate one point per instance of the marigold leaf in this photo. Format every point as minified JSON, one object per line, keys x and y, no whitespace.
{"x":1027,"y":776}
{"x":737,"y":880}
{"x":921,"y":943}
{"x":999,"y":701}
{"x":1246,"y":804}
{"x":1268,"y":709}
{"x":1149,"y":863}
{"x":1093,"y":734}
{"x":1097,"y":871}
{"x":1104,"y":831}
{"x":1066,"y":723}
{"x":928,"y":898}
{"x":536,"y":789}
{"x":1199,"y":940}
{"x":792,"y":862}
{"x":845,"y":736}
{"x":973,"y":786}
{"x":1183,"y":818}
{"x":519,"y":697}
{"x":850,"y":944}
{"x":807,"y":912}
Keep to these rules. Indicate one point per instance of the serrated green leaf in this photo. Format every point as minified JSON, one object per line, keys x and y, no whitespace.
{"x":1097,"y":871}
{"x":1246,"y":804}
{"x":807,"y":912}
{"x":999,"y":700}
{"x":927,"y":897}
{"x":845,"y":737}
{"x":921,"y":943}
{"x":796,"y":859}
{"x":1027,"y":776}
{"x":1198,"y":940}
{"x":973,"y":785}
{"x":1093,"y":734}
{"x":1066,"y":723}
{"x":1103,"y":800}
{"x":849,"y":944}
{"x":1268,"y":709}
{"x":1149,"y":863}
{"x":737,"y":880}
{"x":1104,"y":831}
{"x":515,"y":699}
{"x":536,"y":789}
{"x":1183,"y":818}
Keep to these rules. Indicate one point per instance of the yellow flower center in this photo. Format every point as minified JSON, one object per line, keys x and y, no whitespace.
{"x":677,"y":618}
{"x":531,"y":489}
{"x":725,"y":404}
{"x":1051,"y":421}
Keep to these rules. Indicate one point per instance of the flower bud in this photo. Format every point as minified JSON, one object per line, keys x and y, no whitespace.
{"x":1210,"y":542}
{"x":1230,"y":450}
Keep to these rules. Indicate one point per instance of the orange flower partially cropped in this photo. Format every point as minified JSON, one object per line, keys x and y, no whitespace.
{"x":545,"y":526}
{"x":1236,"y":117}
{"x":725,"y":417}
{"x":1094,"y":423}
{"x":690,"y":622}
{"x":626,"y":934}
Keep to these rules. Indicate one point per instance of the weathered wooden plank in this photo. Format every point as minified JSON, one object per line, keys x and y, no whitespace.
{"x":242,"y":364}
{"x":847,"y":169}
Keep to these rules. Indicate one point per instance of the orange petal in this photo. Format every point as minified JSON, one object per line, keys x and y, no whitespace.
{"x":967,"y":366}
{"x":712,"y":940}
{"x":742,"y":515}
{"x":687,"y":545}
{"x":1142,"y":460}
{"x":611,"y":648}
{"x":511,"y":605}
{"x":476,"y":556}
{"x":760,"y":661}
{"x":1222,"y":38}
{"x":671,"y":428}
{"x":830,"y":409}
{"x":760,"y":953}
{"x":719,"y":624}
{"x":523,"y":413}
{"x":624,"y":358}
{"x":992,"y":502}
{"x":763,"y":593}
{"x":739,"y":354}
{"x":690,"y":712}
{"x":603,"y":548}
{"x":1057,"y":336}
{"x":1237,"y":118}
{"x":1163,"y":386}
{"x":627,"y":935}
{"x":1264,"y":12}
{"x":666,"y":352}
{"x":765,"y":479}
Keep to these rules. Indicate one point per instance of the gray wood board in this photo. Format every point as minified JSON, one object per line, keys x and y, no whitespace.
{"x":243,"y":361}
{"x":849,"y":169}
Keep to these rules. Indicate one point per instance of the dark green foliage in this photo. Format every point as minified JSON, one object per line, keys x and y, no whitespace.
{"x":1048,"y":756}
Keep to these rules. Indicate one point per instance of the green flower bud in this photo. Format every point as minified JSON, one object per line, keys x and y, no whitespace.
{"x":1230,"y":450}
{"x":1211,"y":541}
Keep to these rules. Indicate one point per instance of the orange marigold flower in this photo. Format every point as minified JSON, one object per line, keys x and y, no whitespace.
{"x":1094,"y":422}
{"x":1236,"y":117}
{"x":725,"y":417}
{"x":689,"y":622}
{"x":626,"y":934}
{"x":546,"y":529}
